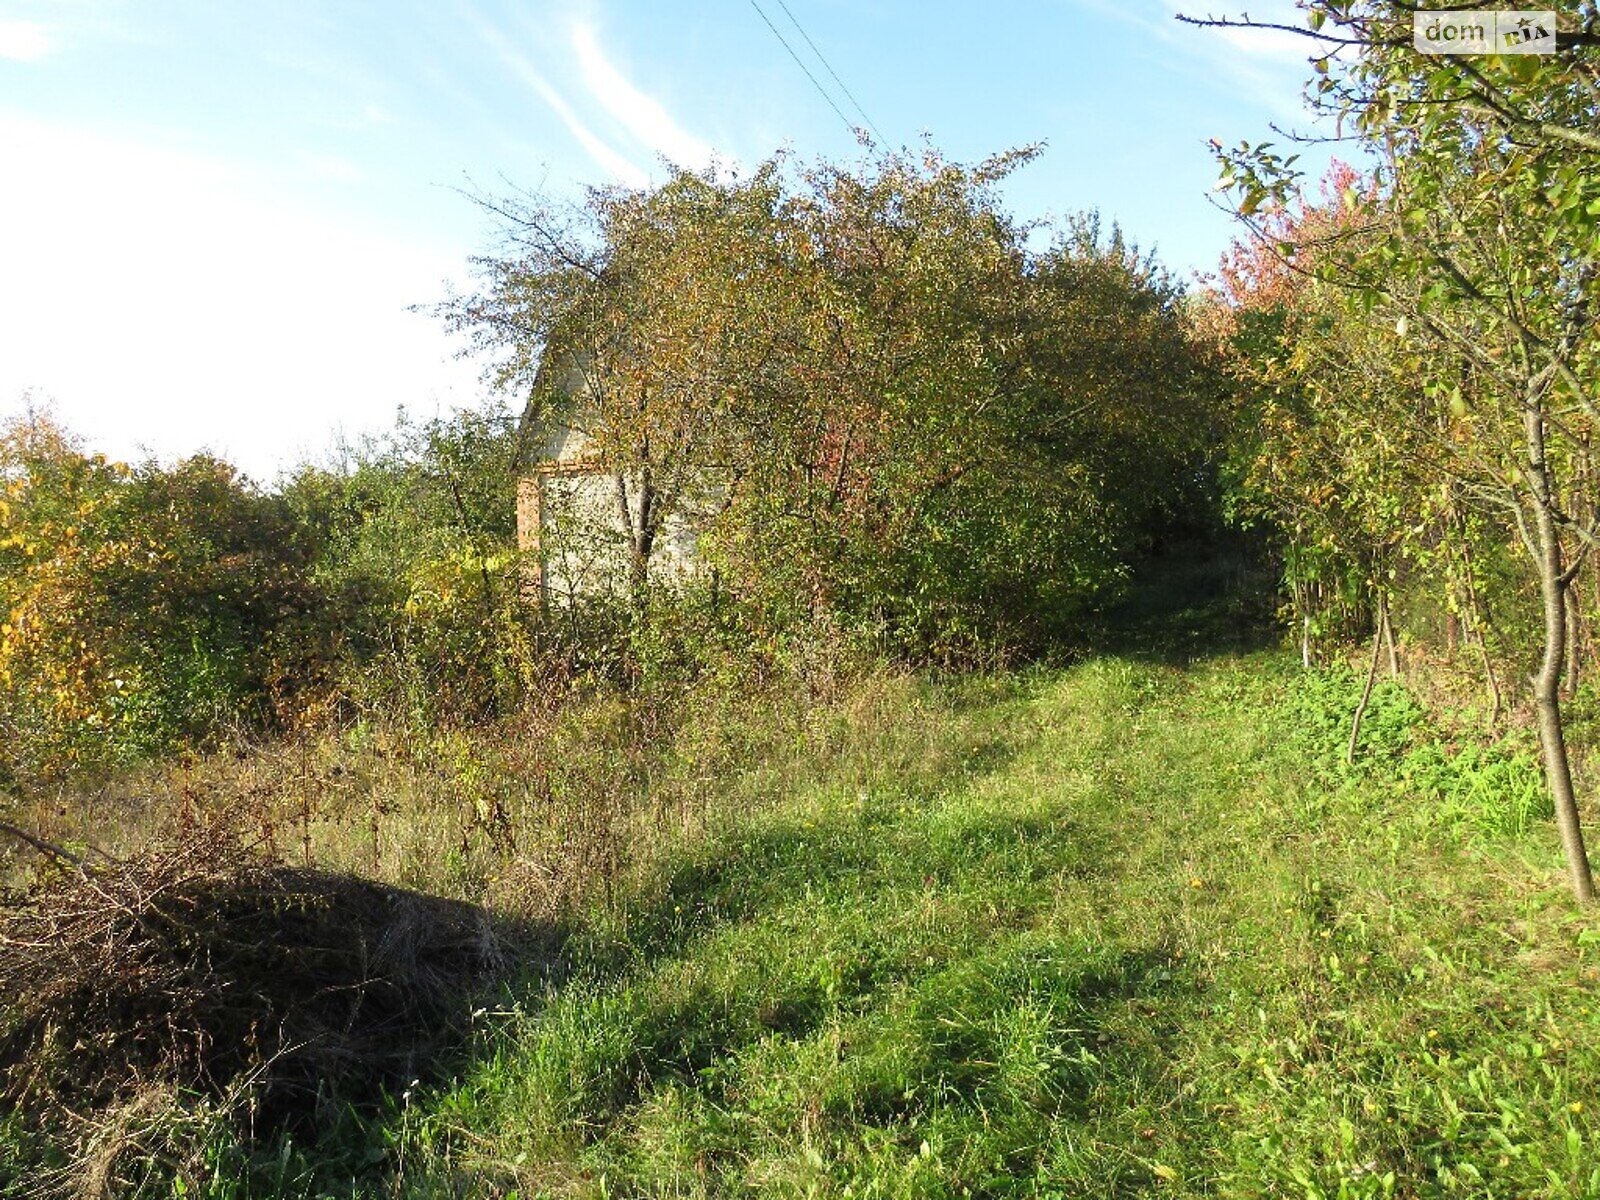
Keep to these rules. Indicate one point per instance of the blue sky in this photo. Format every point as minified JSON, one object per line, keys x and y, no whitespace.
{"x":214,"y":215}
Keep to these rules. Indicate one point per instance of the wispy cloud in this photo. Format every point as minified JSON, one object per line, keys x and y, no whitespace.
{"x":611,"y":161}
{"x":25,"y":41}
{"x":1270,"y":45}
{"x":640,"y":113}
{"x":366,"y":117}
{"x":1263,"y":66}
{"x":1267,"y":47}
{"x":615,"y":164}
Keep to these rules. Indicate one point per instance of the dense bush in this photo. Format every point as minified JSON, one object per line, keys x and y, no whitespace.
{"x":874,"y":393}
{"x":144,"y":607}
{"x":415,"y":556}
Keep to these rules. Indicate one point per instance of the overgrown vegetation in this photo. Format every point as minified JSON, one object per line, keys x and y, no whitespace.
{"x":1290,"y":982}
{"x":867,"y":392}
{"x":1419,"y":349}
{"x":941,"y":965}
{"x":898,"y":839}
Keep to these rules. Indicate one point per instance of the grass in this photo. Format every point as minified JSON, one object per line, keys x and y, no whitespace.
{"x":1130,"y":927}
{"x":1131,"y":934}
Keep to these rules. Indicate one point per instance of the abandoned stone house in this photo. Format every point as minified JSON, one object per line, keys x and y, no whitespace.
{"x":575,"y":516}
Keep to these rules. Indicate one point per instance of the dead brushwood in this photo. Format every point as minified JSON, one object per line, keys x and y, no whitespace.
{"x":202,"y":961}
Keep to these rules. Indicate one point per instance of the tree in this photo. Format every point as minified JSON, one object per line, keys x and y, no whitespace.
{"x":1479,"y":250}
{"x":668,"y":306}
{"x":863,"y":386}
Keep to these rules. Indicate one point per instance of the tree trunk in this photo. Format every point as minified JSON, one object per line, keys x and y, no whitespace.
{"x":1476,"y":628}
{"x":1547,"y":683}
{"x":644,"y":543}
{"x":1386,"y":626}
{"x":1490,"y":679}
{"x":640,"y":529}
{"x":1569,"y":680}
{"x":1366,"y":695}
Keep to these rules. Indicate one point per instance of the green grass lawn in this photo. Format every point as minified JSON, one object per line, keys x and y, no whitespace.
{"x":1133,"y":933}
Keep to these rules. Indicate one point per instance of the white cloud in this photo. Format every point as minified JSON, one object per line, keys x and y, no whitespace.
{"x":1265,"y":67}
{"x":173,"y":301}
{"x":331,"y":168}
{"x":613,"y":163}
{"x":369,"y":116}
{"x":1270,"y":48}
{"x":642,"y":115}
{"x":1270,"y":45}
{"x":24,"y":41}
{"x":609,"y":160}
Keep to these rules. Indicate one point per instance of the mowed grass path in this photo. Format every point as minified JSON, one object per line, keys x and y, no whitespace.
{"x":1119,"y":939}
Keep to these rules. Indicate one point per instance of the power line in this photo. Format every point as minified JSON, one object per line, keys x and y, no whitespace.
{"x":821,"y":91}
{"x":824,"y":61}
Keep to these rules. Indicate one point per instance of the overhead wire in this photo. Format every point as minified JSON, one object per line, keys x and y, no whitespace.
{"x":822,"y":58}
{"x":799,"y":62}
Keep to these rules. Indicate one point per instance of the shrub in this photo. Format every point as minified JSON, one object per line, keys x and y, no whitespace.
{"x":142,"y":607}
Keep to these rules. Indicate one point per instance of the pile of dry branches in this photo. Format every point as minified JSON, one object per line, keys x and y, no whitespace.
{"x":202,"y":962}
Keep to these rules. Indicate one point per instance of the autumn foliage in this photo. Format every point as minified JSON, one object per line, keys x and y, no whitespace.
{"x":877,"y":395}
